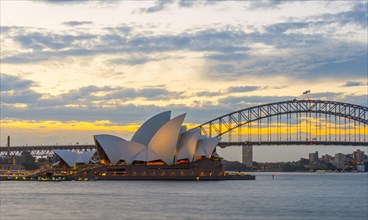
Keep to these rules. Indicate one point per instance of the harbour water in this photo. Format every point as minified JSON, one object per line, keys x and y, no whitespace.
{"x":288,"y":196}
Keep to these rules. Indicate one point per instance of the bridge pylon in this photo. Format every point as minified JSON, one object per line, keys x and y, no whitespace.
{"x":247,"y":155}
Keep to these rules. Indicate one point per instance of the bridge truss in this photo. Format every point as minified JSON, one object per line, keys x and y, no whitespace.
{"x":292,"y":122}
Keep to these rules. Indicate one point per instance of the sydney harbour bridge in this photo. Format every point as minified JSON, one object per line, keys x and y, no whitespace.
{"x":292,"y":122}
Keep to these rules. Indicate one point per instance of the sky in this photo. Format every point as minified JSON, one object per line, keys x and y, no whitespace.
{"x":73,"y":69}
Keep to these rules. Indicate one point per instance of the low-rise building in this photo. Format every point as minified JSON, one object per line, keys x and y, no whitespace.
{"x":326,"y":158}
{"x":313,"y":157}
{"x":358,"y":156}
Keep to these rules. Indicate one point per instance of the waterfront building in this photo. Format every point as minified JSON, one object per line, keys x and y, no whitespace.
{"x":358,"y":156}
{"x":360,"y":167}
{"x":160,"y":140}
{"x":339,"y":161}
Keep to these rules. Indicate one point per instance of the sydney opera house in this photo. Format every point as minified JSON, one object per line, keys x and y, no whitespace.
{"x":162,"y":148}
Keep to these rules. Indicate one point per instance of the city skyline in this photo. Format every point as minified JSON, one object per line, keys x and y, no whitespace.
{"x":74,"y":69}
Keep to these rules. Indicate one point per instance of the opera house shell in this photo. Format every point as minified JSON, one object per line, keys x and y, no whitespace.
{"x":71,"y":158}
{"x":160,"y":140}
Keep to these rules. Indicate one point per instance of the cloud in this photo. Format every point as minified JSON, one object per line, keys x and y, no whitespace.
{"x":353,"y":84}
{"x":136,"y":60}
{"x":302,"y":48}
{"x":228,"y":56}
{"x":17,"y":90}
{"x":243,"y":88}
{"x":357,"y":15}
{"x":269,"y":4}
{"x":327,"y":95}
{"x":186,"y":3}
{"x":356,"y":99}
{"x":84,"y":96}
{"x":252,"y":100}
{"x":51,"y":41}
{"x":208,"y":94}
{"x":120,"y":113}
{"x":77,"y":23}
{"x":93,"y":103}
{"x":14,"y":83}
{"x":160,"y":5}
{"x":222,"y":68}
{"x":47,"y":45}
{"x":146,"y":93}
{"x":22,"y":96}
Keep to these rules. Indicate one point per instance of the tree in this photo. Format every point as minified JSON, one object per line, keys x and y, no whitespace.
{"x":30,"y":165}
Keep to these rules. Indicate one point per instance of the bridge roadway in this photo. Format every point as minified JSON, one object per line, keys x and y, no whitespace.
{"x":336,"y":143}
{"x":44,"y":150}
{"x":47,"y":149}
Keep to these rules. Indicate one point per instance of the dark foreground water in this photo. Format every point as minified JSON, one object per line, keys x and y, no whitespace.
{"x":289,"y":196}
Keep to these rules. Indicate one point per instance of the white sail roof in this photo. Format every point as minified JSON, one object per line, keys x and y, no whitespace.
{"x":79,"y":159}
{"x":110,"y":145}
{"x":69,"y":157}
{"x":148,"y":129}
{"x":164,"y":142}
{"x":208,"y":145}
{"x":188,"y":143}
{"x":117,"y":148}
{"x":183,"y":154}
{"x":183,"y":129}
{"x":129,"y":150}
{"x":147,"y":155}
{"x":87,"y":156}
{"x":200,"y":151}
{"x":201,"y":137}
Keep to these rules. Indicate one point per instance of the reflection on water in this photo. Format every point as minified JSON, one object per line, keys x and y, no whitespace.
{"x":287,"y":196}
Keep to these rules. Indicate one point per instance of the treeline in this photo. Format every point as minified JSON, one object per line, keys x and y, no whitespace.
{"x":234,"y":166}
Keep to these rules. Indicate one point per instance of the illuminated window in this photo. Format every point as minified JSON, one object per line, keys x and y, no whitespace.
{"x":182,"y":161}
{"x":156,"y":162}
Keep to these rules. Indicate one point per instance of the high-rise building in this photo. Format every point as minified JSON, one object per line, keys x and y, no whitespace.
{"x":358,"y":156}
{"x":339,"y":161}
{"x":313,"y":157}
{"x":247,"y":152}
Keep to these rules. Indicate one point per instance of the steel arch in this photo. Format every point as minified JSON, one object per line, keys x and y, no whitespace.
{"x":242,"y":117}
